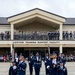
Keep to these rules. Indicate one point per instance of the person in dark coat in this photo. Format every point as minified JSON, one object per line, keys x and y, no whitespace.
{"x":46,"y":61}
{"x":22,"y":66}
{"x":16,"y":61}
{"x":31,"y":63}
{"x":54,"y":65}
{"x":62,"y":69}
{"x":37,"y":64}
{"x":71,"y":35}
{"x":49,"y":66}
{"x":62,"y":58}
{"x":13,"y":69}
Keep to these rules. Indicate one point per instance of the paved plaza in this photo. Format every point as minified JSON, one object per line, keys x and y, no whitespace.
{"x":4,"y":67}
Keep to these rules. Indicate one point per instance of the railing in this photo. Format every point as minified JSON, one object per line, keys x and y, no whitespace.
{"x":31,"y":37}
{"x":5,"y":36}
{"x":44,"y":36}
{"x":39,"y":36}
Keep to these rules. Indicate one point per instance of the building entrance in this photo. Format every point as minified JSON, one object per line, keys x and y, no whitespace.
{"x":41,"y":50}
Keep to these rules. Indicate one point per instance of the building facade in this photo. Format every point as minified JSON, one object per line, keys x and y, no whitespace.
{"x":37,"y":30}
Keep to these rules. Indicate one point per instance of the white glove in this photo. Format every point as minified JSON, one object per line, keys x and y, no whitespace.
{"x":47,"y":67}
{"x":14,"y":67}
{"x":16,"y":59}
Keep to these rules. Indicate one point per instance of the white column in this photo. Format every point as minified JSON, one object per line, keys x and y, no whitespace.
{"x":12,"y":31}
{"x":60,"y":30}
{"x":12,"y":52}
{"x":61,"y":50}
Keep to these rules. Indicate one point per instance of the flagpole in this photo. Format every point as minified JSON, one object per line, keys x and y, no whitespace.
{"x":49,"y":50}
{"x":13,"y":51}
{"x":48,"y":47}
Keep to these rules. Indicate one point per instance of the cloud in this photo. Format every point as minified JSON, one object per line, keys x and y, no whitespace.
{"x":64,"y":8}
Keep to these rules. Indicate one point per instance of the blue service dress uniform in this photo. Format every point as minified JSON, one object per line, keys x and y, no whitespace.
{"x":54,"y":67}
{"x":16,"y":61}
{"x":62,"y":59}
{"x":47,"y":61}
{"x":22,"y":68}
{"x":37,"y":65}
{"x":62,"y":70}
{"x":31,"y":64}
{"x":49,"y":66}
{"x":13,"y":70}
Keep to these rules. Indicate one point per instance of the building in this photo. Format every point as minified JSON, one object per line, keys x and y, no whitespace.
{"x":37,"y":30}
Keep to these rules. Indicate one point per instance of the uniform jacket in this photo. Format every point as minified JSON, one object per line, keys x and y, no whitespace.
{"x":46,"y":60}
{"x":12,"y":71}
{"x":62,"y":71}
{"x":22,"y":68}
{"x":31,"y":60}
{"x":37,"y":63}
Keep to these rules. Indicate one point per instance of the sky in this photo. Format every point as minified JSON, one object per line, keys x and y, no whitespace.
{"x":65,"y":8}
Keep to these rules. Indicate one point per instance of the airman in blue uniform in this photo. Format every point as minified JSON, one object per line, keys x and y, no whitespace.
{"x":46,"y":61}
{"x":62,"y":58}
{"x":13,"y":69}
{"x":62,"y":69}
{"x":37,"y":64}
{"x":31,"y":63}
{"x":49,"y":66}
{"x":22,"y":66}
{"x":16,"y":61}
{"x":54,"y":64}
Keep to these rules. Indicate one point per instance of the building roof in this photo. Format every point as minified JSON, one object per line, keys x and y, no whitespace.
{"x":70,"y":21}
{"x":38,"y":9}
{"x":3,"y":21}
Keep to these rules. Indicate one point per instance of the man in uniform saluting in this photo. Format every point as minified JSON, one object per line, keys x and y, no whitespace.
{"x":37,"y":64}
{"x":22,"y":66}
{"x":53,"y":65}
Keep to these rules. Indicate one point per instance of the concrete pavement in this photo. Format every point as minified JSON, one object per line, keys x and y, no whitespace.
{"x":4,"y":67}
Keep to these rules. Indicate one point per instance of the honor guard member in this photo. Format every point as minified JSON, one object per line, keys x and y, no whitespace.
{"x":31,"y":63}
{"x":62,"y":69}
{"x":62,"y":58}
{"x":22,"y":66}
{"x":50,"y":66}
{"x":16,"y":61}
{"x":13,"y":69}
{"x":55,"y":65}
{"x":37,"y":64}
{"x":46,"y":61}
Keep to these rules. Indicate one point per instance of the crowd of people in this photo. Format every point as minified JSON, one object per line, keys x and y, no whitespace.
{"x":53,"y":35}
{"x":5,"y":36}
{"x":3,"y":58}
{"x":70,"y":58}
{"x":54,"y":64}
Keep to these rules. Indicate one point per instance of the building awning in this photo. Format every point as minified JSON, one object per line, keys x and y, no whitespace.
{"x":36,"y":15}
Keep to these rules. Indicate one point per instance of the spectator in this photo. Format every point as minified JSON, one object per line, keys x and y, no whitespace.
{"x":4,"y":57}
